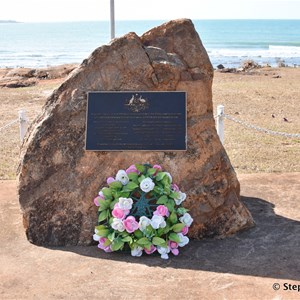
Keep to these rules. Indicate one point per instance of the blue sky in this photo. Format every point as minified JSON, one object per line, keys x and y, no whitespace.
{"x":79,"y":10}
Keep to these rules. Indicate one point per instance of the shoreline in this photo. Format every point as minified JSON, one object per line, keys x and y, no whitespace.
{"x":25,"y":77}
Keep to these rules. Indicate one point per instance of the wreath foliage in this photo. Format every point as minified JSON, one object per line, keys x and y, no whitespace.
{"x":141,"y":210}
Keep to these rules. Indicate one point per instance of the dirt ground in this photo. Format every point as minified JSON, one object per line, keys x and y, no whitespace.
{"x":248,"y":265}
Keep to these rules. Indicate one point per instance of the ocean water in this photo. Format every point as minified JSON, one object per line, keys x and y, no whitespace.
{"x":227,"y":41}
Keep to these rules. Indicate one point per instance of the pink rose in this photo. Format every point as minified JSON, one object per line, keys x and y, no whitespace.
{"x":102,"y":241}
{"x":96,"y":201}
{"x":131,"y":224}
{"x":110,"y":180}
{"x":158,"y":168}
{"x":98,"y":198}
{"x":175,"y":251}
{"x":173,"y":245}
{"x":161,"y":210}
{"x":118,"y":212}
{"x":152,"y":249}
{"x":132,"y":169}
{"x":174,"y":187}
{"x":185,"y":230}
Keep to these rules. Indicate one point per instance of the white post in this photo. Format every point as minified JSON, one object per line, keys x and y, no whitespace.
{"x":112,"y":19}
{"x":23,"y":124}
{"x":220,"y":122}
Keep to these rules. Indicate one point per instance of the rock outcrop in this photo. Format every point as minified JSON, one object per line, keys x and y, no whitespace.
{"x":58,"y":179}
{"x":24,"y":77}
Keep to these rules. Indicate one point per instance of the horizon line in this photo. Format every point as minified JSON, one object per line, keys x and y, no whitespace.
{"x":161,"y":20}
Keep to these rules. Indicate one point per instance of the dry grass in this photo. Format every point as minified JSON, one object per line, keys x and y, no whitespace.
{"x":11,"y":101}
{"x":252,"y":98}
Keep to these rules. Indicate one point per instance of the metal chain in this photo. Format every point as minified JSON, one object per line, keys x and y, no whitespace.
{"x":264,"y":130}
{"x":9,"y":124}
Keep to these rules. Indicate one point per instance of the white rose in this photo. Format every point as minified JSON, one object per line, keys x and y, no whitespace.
{"x":163,"y":252}
{"x":137,"y":251}
{"x":118,"y":225}
{"x":186,"y":219}
{"x":147,"y":185}
{"x":122,"y":177}
{"x":169,"y":175}
{"x":180,"y":199}
{"x":125,"y":203}
{"x":184,"y":240}
{"x":158,"y":222}
{"x":96,"y":237}
{"x":144,"y":222}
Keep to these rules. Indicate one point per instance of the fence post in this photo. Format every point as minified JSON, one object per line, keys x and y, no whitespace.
{"x":23,"y":121}
{"x":220,"y":122}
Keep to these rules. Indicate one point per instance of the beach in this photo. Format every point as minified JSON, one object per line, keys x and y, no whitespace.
{"x":265,"y":97}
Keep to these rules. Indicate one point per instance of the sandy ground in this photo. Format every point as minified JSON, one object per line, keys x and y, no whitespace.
{"x":244,"y":266}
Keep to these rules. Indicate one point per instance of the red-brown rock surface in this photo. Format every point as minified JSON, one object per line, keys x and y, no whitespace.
{"x":58,"y":179}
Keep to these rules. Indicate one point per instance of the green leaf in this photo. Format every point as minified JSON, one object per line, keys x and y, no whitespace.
{"x":167,"y":189}
{"x":142,"y":241}
{"x":117,"y":244}
{"x":174,"y":237}
{"x":162,"y":200}
{"x":116,"y":185}
{"x":104,"y":204}
{"x":162,"y":231}
{"x":141,"y":178}
{"x":107,"y":193}
{"x":160,"y":175}
{"x":174,"y":195}
{"x":151,"y":171}
{"x":99,"y":227}
{"x":140,"y":168}
{"x":103,"y":215}
{"x":170,"y":205}
{"x":157,"y":241}
{"x":124,"y":194}
{"x":166,"y":180}
{"x":178,"y":227}
{"x":107,"y":243}
{"x":182,"y":210}
{"x":111,"y":236}
{"x":127,"y":239}
{"x":112,"y":204}
{"x":159,"y":190}
{"x":103,"y":232}
{"x":129,"y":187}
{"x":148,"y":246}
{"x":173,"y":217}
{"x":149,"y":231}
{"x":138,"y":234}
{"x":133,"y":177}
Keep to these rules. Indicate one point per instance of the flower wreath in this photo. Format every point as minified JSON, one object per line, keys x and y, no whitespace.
{"x":142,"y":209}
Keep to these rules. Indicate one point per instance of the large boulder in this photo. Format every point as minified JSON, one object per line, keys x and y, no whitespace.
{"x":58,"y":179}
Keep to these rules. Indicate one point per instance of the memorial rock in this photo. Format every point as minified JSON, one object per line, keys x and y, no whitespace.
{"x":58,"y":178}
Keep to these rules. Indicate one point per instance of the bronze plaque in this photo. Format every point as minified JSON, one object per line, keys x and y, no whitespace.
{"x":149,"y":121}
